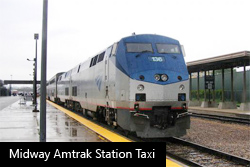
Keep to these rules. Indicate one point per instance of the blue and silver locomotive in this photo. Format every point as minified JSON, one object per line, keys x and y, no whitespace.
{"x":139,"y":83}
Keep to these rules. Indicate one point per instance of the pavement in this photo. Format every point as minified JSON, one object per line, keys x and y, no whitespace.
{"x":19,"y":124}
{"x":5,"y":101}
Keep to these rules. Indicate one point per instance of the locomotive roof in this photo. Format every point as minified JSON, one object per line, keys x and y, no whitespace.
{"x":150,"y":38}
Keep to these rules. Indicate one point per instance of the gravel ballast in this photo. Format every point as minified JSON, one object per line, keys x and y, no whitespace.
{"x":227,"y":137}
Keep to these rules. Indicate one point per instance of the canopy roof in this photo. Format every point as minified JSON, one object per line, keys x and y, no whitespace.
{"x":225,"y":61}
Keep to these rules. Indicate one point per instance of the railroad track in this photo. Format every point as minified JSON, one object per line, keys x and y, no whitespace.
{"x":222,"y":118}
{"x":196,"y":155}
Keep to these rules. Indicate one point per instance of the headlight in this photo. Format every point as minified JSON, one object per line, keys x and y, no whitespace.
{"x":157,"y":77}
{"x":164,"y":77}
{"x":182,"y":87}
{"x":140,"y":87}
{"x":142,"y":77}
{"x":179,"y":78}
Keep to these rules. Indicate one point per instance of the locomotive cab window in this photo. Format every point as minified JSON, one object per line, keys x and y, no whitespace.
{"x":167,"y":48}
{"x":139,"y":47}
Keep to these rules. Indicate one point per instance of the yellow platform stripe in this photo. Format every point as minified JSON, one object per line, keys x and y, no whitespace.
{"x":170,"y":163}
{"x":107,"y":134}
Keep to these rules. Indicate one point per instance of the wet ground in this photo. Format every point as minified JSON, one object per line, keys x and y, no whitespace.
{"x":19,"y":124}
{"x":5,"y":101}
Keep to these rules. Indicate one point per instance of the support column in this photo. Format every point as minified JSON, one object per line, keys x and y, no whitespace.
{"x":244,"y":97}
{"x":198,"y":86}
{"x":190,"y":87}
{"x":205,"y":91}
{"x":195,"y":103}
{"x":214,"y":88}
{"x":232,"y":85}
{"x":213,"y":102}
{"x":222,"y":103}
{"x":230,"y":104}
{"x":244,"y":106}
{"x":222,"y":85}
{"x":204,"y":103}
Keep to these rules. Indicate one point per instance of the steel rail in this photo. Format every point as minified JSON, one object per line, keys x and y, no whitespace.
{"x":220,"y":154}
{"x":221,"y":118}
{"x":183,"y":160}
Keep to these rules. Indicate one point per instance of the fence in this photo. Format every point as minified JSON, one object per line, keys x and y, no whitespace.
{"x":237,"y":83}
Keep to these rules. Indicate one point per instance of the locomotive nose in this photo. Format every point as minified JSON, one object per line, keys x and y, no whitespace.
{"x":163,"y":117}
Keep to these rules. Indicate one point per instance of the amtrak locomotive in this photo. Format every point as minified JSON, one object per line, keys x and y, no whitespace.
{"x":139,"y":83}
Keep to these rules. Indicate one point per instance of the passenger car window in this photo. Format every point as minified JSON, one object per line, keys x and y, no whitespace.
{"x":101,"y":56}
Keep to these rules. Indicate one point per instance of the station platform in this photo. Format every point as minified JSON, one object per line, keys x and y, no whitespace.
{"x":221,"y":112}
{"x":107,"y":134}
{"x":19,"y":124}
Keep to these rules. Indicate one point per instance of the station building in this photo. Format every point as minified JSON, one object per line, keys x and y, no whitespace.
{"x":221,"y":81}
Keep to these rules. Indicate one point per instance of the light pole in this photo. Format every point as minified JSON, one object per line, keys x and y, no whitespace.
{"x":35,"y":77}
{"x":43,"y":74}
{"x":36,"y":36}
{"x":34,"y":81}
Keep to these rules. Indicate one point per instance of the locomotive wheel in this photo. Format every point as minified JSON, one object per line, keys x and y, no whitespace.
{"x":114,"y":127}
{"x":85,"y":112}
{"x":126,"y":133}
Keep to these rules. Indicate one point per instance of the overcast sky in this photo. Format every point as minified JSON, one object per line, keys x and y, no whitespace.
{"x":78,"y":29}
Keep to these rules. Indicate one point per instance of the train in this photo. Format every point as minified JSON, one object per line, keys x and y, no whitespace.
{"x":139,"y":84}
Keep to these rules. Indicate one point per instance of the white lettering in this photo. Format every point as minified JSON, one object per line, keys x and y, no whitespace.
{"x":143,"y":154}
{"x":29,"y":154}
{"x":113,"y":154}
{"x":57,"y":154}
{"x":12,"y":155}
{"x":73,"y":154}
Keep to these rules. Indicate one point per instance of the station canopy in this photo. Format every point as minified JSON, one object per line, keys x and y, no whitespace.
{"x":219,"y":62}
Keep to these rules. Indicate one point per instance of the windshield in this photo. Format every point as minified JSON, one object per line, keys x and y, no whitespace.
{"x":139,"y":47}
{"x":167,"y":48}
